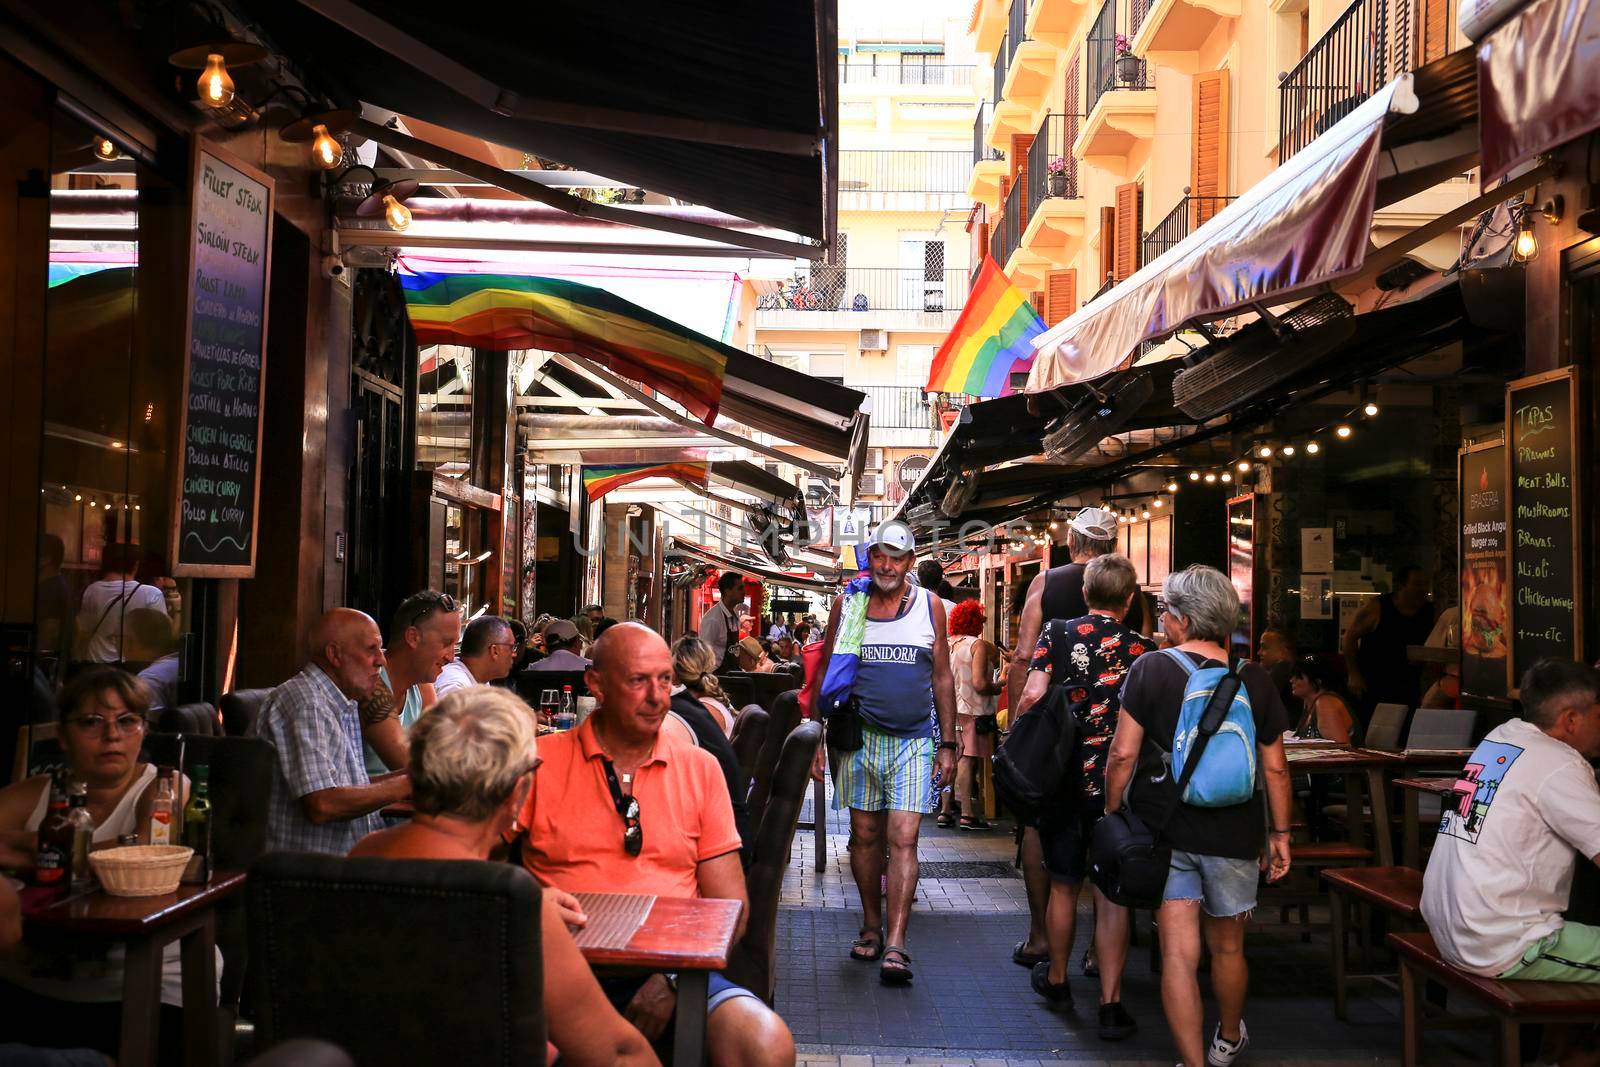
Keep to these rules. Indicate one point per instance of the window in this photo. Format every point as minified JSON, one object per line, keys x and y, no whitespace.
{"x":827,"y":365}
{"x":912,"y":364}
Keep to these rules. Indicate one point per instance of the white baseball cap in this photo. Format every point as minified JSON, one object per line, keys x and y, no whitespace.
{"x":1097,"y":523}
{"x":894,"y":537}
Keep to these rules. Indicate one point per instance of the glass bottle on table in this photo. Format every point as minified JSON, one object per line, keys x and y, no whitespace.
{"x":52,"y":864}
{"x":159,"y":831}
{"x":197,"y":825}
{"x":80,"y":874}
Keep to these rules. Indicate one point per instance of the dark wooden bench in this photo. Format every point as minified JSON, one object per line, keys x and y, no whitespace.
{"x":1300,"y":893}
{"x":1512,"y":1004}
{"x":1396,"y":891}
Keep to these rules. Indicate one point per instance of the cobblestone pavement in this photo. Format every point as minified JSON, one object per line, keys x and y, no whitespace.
{"x":970,"y":1006}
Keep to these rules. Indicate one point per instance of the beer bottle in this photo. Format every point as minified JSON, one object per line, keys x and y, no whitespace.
{"x":197,"y":824}
{"x":81,"y":876}
{"x":53,"y":860}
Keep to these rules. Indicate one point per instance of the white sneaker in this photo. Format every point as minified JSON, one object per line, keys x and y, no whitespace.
{"x":1222,"y":1053}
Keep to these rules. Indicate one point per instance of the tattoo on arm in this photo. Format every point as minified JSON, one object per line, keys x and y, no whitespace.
{"x":378,"y":706}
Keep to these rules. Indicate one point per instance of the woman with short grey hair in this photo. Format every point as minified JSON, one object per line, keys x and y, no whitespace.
{"x":1217,"y":853}
{"x":469,"y":751}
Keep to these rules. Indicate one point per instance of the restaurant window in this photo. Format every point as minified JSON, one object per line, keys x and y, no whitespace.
{"x":444,"y":410}
{"x":110,"y":388}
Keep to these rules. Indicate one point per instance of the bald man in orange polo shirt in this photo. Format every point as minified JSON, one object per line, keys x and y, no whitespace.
{"x":619,"y":806}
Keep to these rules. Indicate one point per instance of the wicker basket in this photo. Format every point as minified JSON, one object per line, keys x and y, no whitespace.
{"x":140,"y":870}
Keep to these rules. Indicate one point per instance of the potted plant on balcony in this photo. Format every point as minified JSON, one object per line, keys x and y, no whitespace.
{"x":1128,"y":64}
{"x":1057,"y":169}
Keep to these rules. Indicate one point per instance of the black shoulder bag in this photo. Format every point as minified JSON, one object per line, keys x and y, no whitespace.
{"x":1128,"y":858}
{"x":1035,"y":763}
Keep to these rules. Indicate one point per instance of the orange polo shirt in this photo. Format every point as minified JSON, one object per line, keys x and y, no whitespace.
{"x":574,"y":837}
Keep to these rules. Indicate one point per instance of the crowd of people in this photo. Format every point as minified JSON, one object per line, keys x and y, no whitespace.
{"x":645,"y":795}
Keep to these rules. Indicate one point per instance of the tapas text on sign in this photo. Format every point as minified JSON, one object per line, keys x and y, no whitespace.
{"x":218,"y":488}
{"x":1544,"y":536}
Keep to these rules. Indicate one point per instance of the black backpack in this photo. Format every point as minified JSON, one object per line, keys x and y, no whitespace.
{"x":1036,"y":763}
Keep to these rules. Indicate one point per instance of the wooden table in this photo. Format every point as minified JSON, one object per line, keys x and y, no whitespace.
{"x":1367,"y":766}
{"x":147,"y":925}
{"x":689,"y":935}
{"x":1411,"y":793}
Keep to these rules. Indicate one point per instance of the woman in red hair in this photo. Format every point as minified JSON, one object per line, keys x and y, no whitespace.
{"x":973,"y":661}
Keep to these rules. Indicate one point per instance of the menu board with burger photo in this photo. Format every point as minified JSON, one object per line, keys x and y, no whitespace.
{"x":1485,"y":633}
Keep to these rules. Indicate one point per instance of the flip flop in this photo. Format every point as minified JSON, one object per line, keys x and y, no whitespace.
{"x":873,"y":946}
{"x":896,"y":966}
{"x":946,"y":820}
{"x":1027,"y":959}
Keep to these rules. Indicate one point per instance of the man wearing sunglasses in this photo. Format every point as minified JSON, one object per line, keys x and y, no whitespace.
{"x":488,"y":650}
{"x":618,"y":806}
{"x":422,"y":639}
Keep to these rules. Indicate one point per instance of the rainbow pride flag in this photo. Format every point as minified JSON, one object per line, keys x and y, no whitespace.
{"x":506,"y":311}
{"x":600,"y":480}
{"x":992,"y":339}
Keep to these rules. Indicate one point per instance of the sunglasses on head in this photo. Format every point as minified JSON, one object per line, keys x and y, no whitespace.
{"x":425,"y":605}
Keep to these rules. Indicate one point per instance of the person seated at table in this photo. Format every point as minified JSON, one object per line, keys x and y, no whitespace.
{"x":1315,"y":685}
{"x":1276,"y":652}
{"x":622,"y":806}
{"x":488,"y":649}
{"x":14,"y":1055}
{"x":473,"y":760}
{"x":422,"y":640}
{"x":694,"y":665}
{"x":561,"y":644}
{"x":786,"y":650}
{"x":147,"y":636}
{"x":1500,"y":876}
{"x":753,"y":658}
{"x":52,"y":999}
{"x":322,"y":797}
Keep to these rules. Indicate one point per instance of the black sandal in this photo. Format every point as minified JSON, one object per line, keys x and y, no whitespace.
{"x":1026,"y":959}
{"x":872,"y":944}
{"x":896,"y":966}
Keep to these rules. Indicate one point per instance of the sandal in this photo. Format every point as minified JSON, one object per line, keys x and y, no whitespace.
{"x":872,"y":941}
{"x":896,"y":966}
{"x":974,"y":822}
{"x":946,"y":820}
{"x":1091,"y":965}
{"x":1023,"y":958}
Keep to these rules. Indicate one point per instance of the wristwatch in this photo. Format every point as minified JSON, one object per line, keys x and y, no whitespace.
{"x":950,"y":745}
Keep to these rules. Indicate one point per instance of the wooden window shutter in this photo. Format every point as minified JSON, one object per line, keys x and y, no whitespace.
{"x":1125,"y":259}
{"x":1435,"y":29}
{"x":1036,"y":298}
{"x":1020,"y":143}
{"x":1208,"y":154}
{"x":1108,"y":245}
{"x":1060,"y":295}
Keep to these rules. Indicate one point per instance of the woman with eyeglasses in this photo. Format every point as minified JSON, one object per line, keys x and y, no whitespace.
{"x":472,"y":765}
{"x":45,"y":998}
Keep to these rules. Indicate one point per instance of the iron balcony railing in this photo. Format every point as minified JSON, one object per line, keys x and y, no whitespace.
{"x":1371,"y":44}
{"x":904,"y":73}
{"x":899,"y":407}
{"x":980,"y":126}
{"x":828,"y":288}
{"x":1109,"y":68}
{"x":903,"y":172}
{"x":1181,"y":221}
{"x":997,"y":239}
{"x":1051,"y":148}
{"x":1016,"y":33}
{"x":1015,"y":221}
{"x":1002,"y":58}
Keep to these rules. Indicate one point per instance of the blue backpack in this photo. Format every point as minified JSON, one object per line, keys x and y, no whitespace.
{"x":1226,"y":774}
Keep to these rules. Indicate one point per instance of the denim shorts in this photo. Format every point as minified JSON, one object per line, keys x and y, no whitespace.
{"x":1224,"y":887}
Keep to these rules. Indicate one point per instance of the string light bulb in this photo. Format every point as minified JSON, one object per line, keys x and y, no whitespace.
{"x":1288,"y":450}
{"x":1369,"y":409}
{"x":1312,"y":448}
{"x":1172,"y":487}
{"x":1265,"y":452}
{"x":105,"y":148}
{"x":1211,"y":478}
{"x":326,"y":152}
{"x":1053,"y":524}
{"x":1145,"y":513}
{"x":1194,"y":476}
{"x":396,"y":214}
{"x":1244,"y":466}
{"x":1226,"y":477}
{"x":1159,"y":502}
{"x":215,"y":85}
{"x":1342,"y":432}
{"x":1527,"y":243}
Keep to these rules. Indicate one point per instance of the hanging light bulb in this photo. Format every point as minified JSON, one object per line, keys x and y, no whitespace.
{"x":1145,"y":513}
{"x":1312,"y":448}
{"x":1288,"y":450}
{"x":396,"y":214}
{"x":1226,"y":477}
{"x":1342,"y":432}
{"x":326,"y":152}
{"x":1244,"y":466}
{"x":1159,"y":502}
{"x":216,"y":87}
{"x":105,"y":148}
{"x":1053,"y":524}
{"x":1369,"y":409}
{"x":1172,"y":487}
{"x":1527,"y":244}
{"x":1211,"y":478}
{"x":1194,"y":476}
{"x":1265,"y":452}
{"x":77,"y":498}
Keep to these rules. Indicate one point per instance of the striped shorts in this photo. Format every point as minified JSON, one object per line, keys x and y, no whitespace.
{"x":886,"y":772}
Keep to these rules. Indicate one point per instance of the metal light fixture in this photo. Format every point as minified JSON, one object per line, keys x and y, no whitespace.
{"x":212,"y":59}
{"x":321,"y":130}
{"x":1527,"y":244}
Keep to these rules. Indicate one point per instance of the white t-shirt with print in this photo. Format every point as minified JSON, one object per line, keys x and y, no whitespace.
{"x":455,"y":675}
{"x":1501,"y":870}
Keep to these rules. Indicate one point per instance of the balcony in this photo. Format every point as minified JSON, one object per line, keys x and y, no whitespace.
{"x":1013,"y":220}
{"x":1189,"y":214}
{"x":1119,"y":104}
{"x":1173,"y":31}
{"x":930,"y":72}
{"x":824,"y":288}
{"x":1054,"y":21}
{"x":899,"y":407}
{"x":988,"y":24}
{"x":902,"y":172}
{"x":1055,"y":207}
{"x":988,"y":164}
{"x":1023,"y":67}
{"x":1371,"y":44}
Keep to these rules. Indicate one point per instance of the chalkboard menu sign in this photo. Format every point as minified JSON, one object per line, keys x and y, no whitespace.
{"x":214,"y":529}
{"x":1485,"y":635}
{"x":1542,"y":480}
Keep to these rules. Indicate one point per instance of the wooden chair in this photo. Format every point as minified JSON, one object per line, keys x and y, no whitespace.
{"x":240,"y":710}
{"x":327,"y":963}
{"x":750,"y":964}
{"x":1510,"y":1004}
{"x":1395,"y":891}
